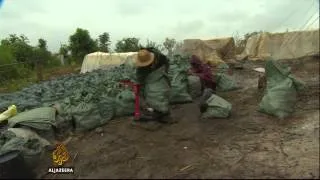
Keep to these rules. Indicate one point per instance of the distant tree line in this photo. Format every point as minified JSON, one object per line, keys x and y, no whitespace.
{"x":81,"y":43}
{"x":18,"y":58}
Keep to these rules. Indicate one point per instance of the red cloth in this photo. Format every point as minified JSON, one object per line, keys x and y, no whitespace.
{"x":203,"y":71}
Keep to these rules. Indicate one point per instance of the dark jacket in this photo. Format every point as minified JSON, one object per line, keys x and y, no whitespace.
{"x":204,"y":72}
{"x":160,"y":60}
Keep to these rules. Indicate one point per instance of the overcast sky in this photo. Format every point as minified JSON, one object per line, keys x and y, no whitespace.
{"x":55,"y":20}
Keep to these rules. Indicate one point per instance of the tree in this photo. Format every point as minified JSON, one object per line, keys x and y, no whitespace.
{"x":242,"y":42}
{"x":81,"y":44}
{"x":154,"y":45}
{"x":104,"y":42}
{"x":169,"y":44}
{"x":64,"y":50}
{"x":19,"y":46}
{"x":6,"y":58}
{"x":42,"y":44}
{"x":41,"y":53}
{"x":178,"y":48}
{"x":128,"y":45}
{"x":9,"y":69}
{"x":41,"y":57}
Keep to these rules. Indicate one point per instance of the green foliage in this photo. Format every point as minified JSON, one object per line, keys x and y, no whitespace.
{"x":8,"y":67}
{"x":104,"y":42}
{"x":41,"y":54}
{"x":81,"y":44}
{"x":6,"y":57}
{"x":42,"y":44}
{"x":154,"y":45}
{"x":178,"y":48}
{"x":13,"y":85}
{"x":128,"y":45}
{"x":54,"y":61}
{"x":169,"y":45}
{"x":20,"y":47}
{"x":64,"y":49}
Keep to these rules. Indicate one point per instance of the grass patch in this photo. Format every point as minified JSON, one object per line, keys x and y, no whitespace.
{"x":17,"y":84}
{"x":13,"y":85}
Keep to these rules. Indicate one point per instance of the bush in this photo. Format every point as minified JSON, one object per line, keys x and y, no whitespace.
{"x":8,"y":68}
{"x":54,"y":62}
{"x":6,"y":58}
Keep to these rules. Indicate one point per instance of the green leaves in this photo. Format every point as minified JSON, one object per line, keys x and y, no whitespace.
{"x":81,"y":44}
{"x":169,"y":44}
{"x":19,"y":46}
{"x":104,"y":42}
{"x":130,"y":44}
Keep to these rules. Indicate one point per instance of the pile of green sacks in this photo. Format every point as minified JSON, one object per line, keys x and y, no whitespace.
{"x":85,"y":100}
{"x":89,"y":100}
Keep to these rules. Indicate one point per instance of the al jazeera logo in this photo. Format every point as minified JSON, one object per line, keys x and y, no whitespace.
{"x":59,"y":157}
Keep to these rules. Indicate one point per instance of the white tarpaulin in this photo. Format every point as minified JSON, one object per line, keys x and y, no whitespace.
{"x":289,"y":45}
{"x":100,"y":60}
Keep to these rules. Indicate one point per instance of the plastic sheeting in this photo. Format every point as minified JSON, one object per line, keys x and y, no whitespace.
{"x":100,"y":60}
{"x":289,"y":45}
{"x":213,"y":52}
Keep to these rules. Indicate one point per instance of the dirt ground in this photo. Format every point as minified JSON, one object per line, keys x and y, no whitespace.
{"x":249,"y":144}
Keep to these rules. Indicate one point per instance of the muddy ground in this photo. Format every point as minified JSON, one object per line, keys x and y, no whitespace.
{"x":249,"y":144}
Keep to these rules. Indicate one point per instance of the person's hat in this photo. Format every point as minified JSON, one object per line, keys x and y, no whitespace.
{"x":144,"y":58}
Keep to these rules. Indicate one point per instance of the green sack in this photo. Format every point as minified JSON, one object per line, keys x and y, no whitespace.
{"x":30,"y":147}
{"x":179,"y":79}
{"x":38,"y":118}
{"x":194,"y":86}
{"x":281,"y":93}
{"x":224,"y":81}
{"x":88,"y":116}
{"x":217,"y":107}
{"x":125,"y":102}
{"x":157,"y":90}
{"x":223,"y":68}
{"x":179,"y":88}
